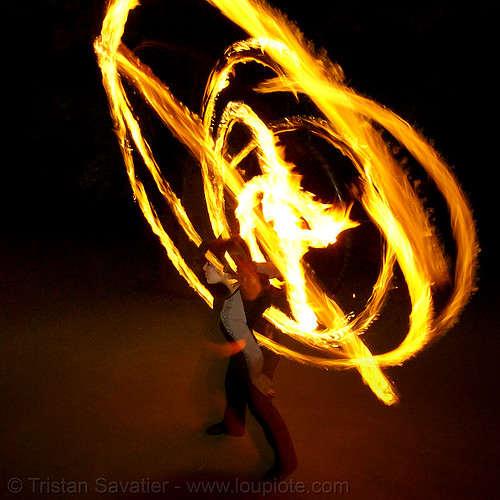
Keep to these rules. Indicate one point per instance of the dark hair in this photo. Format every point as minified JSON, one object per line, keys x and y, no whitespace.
{"x":235,"y":246}
{"x":251,"y":283}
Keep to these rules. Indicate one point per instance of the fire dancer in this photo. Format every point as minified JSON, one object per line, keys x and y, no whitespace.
{"x":246,"y":384}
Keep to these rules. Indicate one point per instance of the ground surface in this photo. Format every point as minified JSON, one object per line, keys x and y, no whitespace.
{"x":108,"y":381}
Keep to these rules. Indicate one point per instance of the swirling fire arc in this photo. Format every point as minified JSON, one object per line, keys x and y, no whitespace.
{"x":278,"y":218}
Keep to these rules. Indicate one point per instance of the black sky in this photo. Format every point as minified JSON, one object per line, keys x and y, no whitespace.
{"x":430,"y":61}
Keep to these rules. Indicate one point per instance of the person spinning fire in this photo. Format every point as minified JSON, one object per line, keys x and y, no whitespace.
{"x":248,"y":378}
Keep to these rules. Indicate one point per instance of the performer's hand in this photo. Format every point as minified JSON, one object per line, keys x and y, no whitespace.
{"x":265,"y":385}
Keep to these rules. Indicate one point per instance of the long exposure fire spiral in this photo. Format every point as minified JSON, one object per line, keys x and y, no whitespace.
{"x":278,"y":218}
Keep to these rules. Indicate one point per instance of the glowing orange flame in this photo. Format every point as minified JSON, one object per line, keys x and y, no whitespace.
{"x":278,"y":218}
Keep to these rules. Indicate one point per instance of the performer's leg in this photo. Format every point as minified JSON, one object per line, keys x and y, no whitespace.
{"x":276,"y":433}
{"x":236,"y":383}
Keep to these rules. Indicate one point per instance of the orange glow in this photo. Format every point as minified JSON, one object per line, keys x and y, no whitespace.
{"x":277,"y":217}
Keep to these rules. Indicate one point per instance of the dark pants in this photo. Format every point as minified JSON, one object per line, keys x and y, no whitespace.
{"x":240,"y":393}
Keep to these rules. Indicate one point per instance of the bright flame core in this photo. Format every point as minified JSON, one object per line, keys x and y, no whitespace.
{"x":278,"y":218}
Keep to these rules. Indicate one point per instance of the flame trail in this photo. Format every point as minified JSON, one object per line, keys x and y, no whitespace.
{"x":277,"y":217}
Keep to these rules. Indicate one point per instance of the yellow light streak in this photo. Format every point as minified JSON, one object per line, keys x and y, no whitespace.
{"x":279,"y":219}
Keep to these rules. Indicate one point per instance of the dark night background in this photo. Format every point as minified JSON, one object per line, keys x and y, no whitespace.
{"x":431,"y":62}
{"x":69,"y":224}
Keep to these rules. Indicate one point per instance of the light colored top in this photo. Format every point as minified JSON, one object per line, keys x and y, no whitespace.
{"x":235,"y":322}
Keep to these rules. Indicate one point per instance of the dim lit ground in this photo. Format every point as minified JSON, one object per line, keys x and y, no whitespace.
{"x":106,"y":376}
